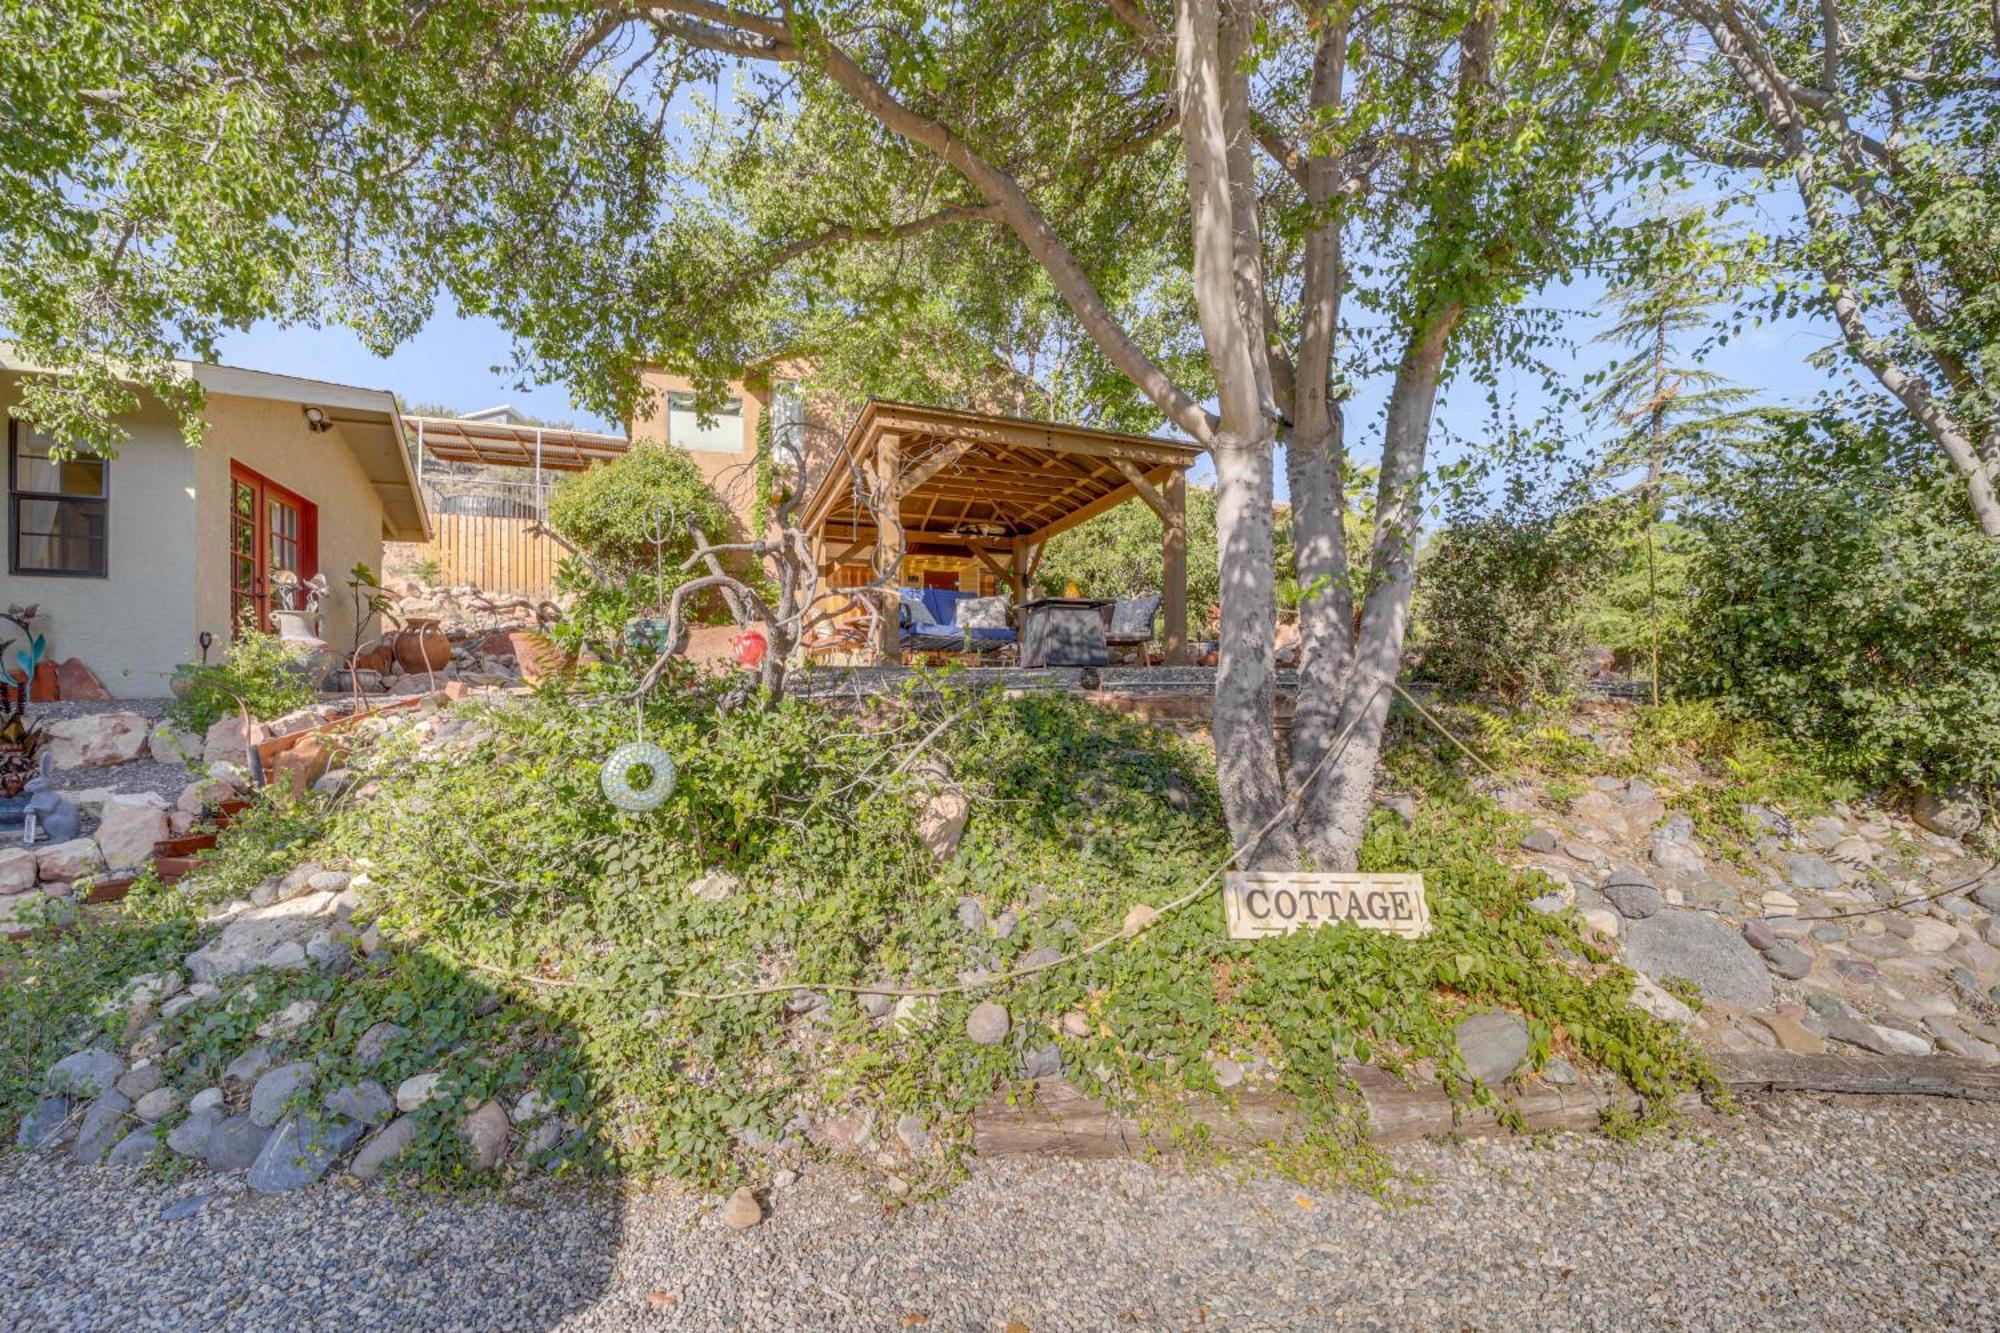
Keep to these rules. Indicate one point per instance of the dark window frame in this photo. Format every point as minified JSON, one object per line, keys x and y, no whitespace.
{"x":15,"y":495}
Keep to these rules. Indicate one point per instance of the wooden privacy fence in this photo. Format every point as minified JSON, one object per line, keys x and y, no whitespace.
{"x":497,"y":553}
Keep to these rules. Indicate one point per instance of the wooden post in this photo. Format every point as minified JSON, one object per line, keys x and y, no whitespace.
{"x":1174,"y":567}
{"x":888,"y":546}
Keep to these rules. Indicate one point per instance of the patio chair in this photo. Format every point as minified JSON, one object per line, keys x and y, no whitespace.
{"x":1128,"y":623}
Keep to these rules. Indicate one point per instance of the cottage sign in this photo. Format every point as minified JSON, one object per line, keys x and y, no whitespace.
{"x":1258,"y":903}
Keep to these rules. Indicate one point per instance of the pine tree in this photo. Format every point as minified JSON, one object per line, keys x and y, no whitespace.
{"x":1664,"y":410}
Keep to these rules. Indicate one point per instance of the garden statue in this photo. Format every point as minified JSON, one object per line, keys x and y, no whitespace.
{"x":53,"y":813}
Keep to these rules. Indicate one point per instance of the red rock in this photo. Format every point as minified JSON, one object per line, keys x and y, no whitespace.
{"x":497,"y":643}
{"x":75,"y":681}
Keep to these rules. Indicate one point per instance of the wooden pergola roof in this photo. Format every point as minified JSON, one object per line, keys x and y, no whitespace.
{"x":984,"y":482}
{"x":507,"y":444}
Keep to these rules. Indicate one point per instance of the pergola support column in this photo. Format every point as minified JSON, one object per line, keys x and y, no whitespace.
{"x":889,"y":548}
{"x":1173,"y":595}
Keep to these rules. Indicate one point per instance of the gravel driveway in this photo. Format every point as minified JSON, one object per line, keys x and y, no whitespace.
{"x":1801,"y":1214}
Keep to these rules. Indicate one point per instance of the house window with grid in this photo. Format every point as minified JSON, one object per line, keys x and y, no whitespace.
{"x":57,"y":509}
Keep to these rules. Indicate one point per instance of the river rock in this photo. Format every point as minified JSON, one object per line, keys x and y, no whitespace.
{"x":988,"y":1024}
{"x":367,"y":1101}
{"x":1810,"y":870}
{"x":1541,"y":840}
{"x":105,"y":1121}
{"x":234,"y":1143}
{"x":1930,"y":935}
{"x":190,"y":1137}
{"x":742,"y":1211}
{"x":1789,"y":961}
{"x":1492,"y":1044}
{"x":272,"y":936}
{"x":1634,"y":898}
{"x":1875,"y":1037}
{"x":375,"y":1044}
{"x":299,"y":1151}
{"x":485,"y":1130}
{"x":84,"y":1074}
{"x":268,"y":1100}
{"x":157,"y":1105}
{"x":1677,"y":943}
{"x":43,"y":1125}
{"x":417,"y":1089}
{"x":385,"y":1147}
{"x":135,"y":1149}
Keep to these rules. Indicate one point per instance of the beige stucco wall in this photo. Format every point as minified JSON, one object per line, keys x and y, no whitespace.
{"x":135,"y":626}
{"x":169,"y":539}
{"x":732,"y":475}
{"x":271,"y":438}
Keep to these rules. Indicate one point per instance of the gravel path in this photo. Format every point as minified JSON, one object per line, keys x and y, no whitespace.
{"x":1802,"y":1214}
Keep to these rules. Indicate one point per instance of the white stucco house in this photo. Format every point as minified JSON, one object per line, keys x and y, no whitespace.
{"x":132,"y":558}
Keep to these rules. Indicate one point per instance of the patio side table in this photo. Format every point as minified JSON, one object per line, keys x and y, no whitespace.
{"x":1063,"y":631}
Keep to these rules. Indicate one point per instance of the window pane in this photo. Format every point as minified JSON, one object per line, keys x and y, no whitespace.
{"x":35,"y":470}
{"x":685,"y":431}
{"x":59,"y":536}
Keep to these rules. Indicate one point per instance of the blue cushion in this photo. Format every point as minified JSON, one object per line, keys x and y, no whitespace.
{"x":942,"y":603}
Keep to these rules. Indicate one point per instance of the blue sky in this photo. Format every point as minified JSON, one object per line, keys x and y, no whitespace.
{"x":453,"y":362}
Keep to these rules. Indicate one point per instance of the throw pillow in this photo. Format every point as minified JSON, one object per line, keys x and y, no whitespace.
{"x":1133,"y":616}
{"x":982,"y":613}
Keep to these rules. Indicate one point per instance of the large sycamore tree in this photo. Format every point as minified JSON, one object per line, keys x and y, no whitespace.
{"x":1239,"y":210}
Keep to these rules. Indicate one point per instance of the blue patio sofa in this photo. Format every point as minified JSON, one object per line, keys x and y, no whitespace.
{"x":945,"y":635}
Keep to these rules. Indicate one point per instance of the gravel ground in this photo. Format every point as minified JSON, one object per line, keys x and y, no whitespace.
{"x":1803,"y":1214}
{"x":141,"y":775}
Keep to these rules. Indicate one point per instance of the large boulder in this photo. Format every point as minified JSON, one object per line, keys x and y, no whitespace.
{"x":1705,"y":950}
{"x":258,"y":938}
{"x":224,"y":741}
{"x":299,"y":1151}
{"x":168,"y":744}
{"x":17,"y":870}
{"x":1952,"y":814}
{"x":66,"y":862}
{"x":1492,"y":1045}
{"x":130,"y":827}
{"x":84,"y":1074}
{"x":97,"y":739}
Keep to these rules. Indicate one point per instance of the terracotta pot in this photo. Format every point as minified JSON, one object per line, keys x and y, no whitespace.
{"x":538,"y":655}
{"x":421,"y":646}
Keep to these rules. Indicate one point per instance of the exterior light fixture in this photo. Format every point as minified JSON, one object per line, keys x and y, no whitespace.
{"x":316,"y":420}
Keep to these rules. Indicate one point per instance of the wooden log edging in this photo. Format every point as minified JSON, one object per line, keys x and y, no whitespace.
{"x":1061,"y":1121}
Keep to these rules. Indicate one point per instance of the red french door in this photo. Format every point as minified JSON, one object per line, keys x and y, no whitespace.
{"x":270,"y":528}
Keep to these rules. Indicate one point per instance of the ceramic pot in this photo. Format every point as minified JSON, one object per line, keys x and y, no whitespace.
{"x":421,"y":646}
{"x":538,"y":656}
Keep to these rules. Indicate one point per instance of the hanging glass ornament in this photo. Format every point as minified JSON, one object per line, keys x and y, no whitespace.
{"x":635,"y":760}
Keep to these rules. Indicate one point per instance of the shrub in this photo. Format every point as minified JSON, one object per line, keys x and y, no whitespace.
{"x":1842,"y":595}
{"x":613,"y":512}
{"x":1500,"y":596}
{"x":260,"y":670}
{"x":612,"y":515}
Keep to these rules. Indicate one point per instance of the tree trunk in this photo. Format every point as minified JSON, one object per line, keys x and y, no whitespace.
{"x":1246,"y":745}
{"x":1326,"y":604}
{"x":1340,"y":803}
{"x":1229,"y":299}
